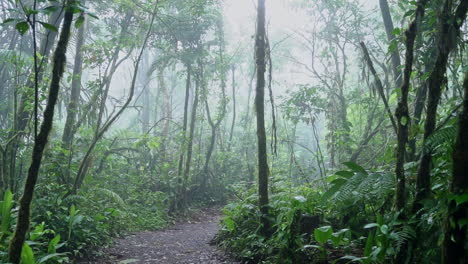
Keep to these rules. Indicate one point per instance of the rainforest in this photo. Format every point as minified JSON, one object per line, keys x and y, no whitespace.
{"x":233,"y":131}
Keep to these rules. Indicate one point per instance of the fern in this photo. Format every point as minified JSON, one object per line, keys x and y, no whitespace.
{"x":361,"y":186}
{"x":407,"y":233}
{"x":76,"y":198}
{"x":440,"y":137}
{"x":111,"y":195}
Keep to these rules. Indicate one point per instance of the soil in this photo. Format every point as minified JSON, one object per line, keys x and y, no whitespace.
{"x":183,"y":243}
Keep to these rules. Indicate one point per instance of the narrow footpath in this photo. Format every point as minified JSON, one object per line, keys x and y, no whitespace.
{"x":183,"y":243}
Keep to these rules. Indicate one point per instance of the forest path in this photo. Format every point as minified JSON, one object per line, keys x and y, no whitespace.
{"x":182,"y":243}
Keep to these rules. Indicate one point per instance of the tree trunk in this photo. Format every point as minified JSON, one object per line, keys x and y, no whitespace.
{"x":233,"y":106}
{"x":402,"y":113}
{"x":378,"y":83}
{"x":453,"y":251}
{"x":193,"y":120}
{"x":40,"y":143}
{"x":395,"y":55}
{"x":184,"y":124}
{"x":167,"y":112}
{"x":72,"y":108}
{"x":403,"y":121}
{"x":260,"y":42}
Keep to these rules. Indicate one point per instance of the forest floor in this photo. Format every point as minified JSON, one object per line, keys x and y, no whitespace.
{"x":186,"y":242}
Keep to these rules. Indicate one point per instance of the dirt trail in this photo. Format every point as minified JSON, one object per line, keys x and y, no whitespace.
{"x":183,"y":243}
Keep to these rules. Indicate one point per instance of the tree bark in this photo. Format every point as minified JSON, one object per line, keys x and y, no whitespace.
{"x":453,"y":251}
{"x":40,"y":143}
{"x":263,"y":172}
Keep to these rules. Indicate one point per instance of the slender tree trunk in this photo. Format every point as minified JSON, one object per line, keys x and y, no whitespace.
{"x":395,"y":54}
{"x":453,"y":250}
{"x":184,"y":124}
{"x":72,"y":108}
{"x":263,"y":172}
{"x":214,"y":127}
{"x":420,"y":99}
{"x":144,"y":81}
{"x":233,"y":105}
{"x":403,"y":120}
{"x":401,"y":112}
{"x":378,"y":83}
{"x":22,"y":225}
{"x":167,"y":112}
{"x":193,"y":120}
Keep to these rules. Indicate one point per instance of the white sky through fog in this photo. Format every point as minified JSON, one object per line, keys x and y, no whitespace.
{"x":280,"y":13}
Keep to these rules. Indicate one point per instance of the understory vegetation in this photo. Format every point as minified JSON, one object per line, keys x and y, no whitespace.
{"x":332,"y":131}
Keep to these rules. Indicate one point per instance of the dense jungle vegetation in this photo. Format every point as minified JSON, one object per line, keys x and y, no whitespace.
{"x":332,"y":131}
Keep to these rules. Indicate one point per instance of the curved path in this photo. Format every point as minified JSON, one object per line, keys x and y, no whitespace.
{"x":185,"y":243}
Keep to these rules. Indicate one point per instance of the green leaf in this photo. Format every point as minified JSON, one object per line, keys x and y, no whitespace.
{"x":53,"y":243}
{"x":322,"y":234}
{"x":49,"y":26}
{"x":27,"y":255}
{"x":230,"y":224}
{"x":22,"y":27}
{"x":79,"y":21}
{"x":49,"y":10}
{"x":354,"y":167}
{"x":396,"y":31}
{"x":384,"y":229}
{"x":371,"y":225}
{"x":460,"y":199}
{"x":6,"y":211}
{"x":345,"y":174}
{"x":8,"y":20}
{"x":336,"y":185}
{"x":369,"y":244}
{"x":47,"y":257}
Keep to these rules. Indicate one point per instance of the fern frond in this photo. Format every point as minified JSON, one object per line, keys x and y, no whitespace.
{"x":441,"y":136}
{"x":111,"y":195}
{"x":76,"y":198}
{"x":407,"y":233}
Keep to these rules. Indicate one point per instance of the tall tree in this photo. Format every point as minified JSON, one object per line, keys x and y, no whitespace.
{"x":263,"y":171}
